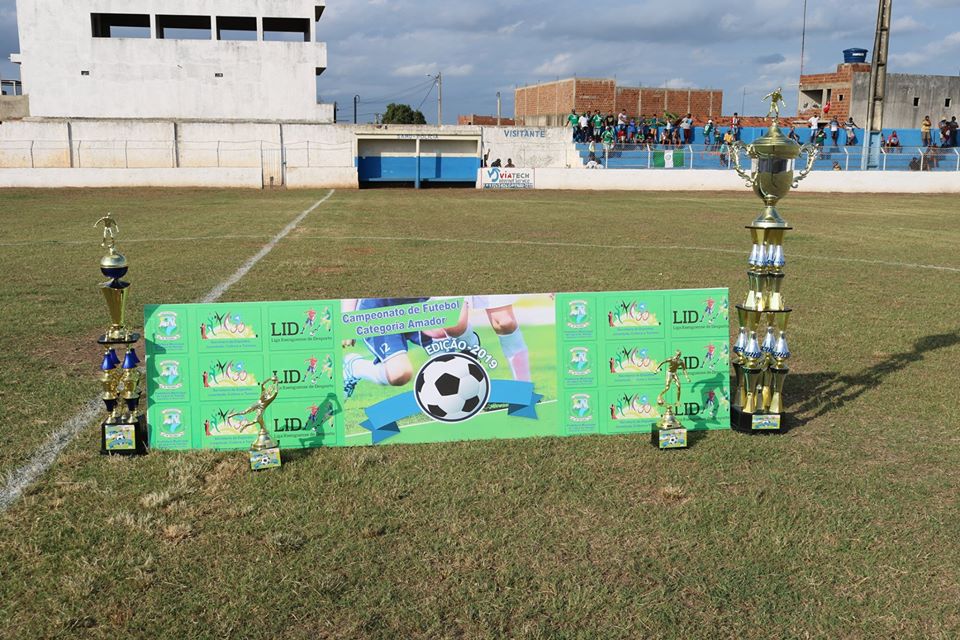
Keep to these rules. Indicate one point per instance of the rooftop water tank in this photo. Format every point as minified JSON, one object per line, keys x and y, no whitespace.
{"x":854,"y":56}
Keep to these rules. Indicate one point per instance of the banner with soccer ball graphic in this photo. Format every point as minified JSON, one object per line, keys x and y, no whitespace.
{"x":408,"y":370}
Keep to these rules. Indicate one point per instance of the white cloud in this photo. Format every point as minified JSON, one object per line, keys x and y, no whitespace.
{"x":931,"y":51}
{"x":906,"y":24}
{"x":508,"y":29}
{"x":420,"y":69}
{"x":678,"y":83}
{"x":558,"y":65}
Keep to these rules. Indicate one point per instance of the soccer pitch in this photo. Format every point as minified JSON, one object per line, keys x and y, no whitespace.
{"x":845,"y":526}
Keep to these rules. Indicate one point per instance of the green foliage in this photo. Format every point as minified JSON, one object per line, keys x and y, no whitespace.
{"x":402,"y":114}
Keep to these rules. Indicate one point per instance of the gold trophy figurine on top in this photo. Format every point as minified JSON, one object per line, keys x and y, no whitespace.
{"x":671,"y":434}
{"x":124,"y":430}
{"x":760,"y":351}
{"x":264,"y":452}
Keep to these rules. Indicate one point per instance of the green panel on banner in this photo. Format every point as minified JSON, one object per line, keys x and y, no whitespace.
{"x":464,"y":367}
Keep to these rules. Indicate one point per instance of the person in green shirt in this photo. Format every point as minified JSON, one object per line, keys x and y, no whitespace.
{"x":607,"y":138}
{"x":597,"y":124}
{"x":574,"y":121}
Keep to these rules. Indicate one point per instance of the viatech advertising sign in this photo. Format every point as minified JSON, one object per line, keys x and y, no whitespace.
{"x":506,"y":178}
{"x":409,"y":370}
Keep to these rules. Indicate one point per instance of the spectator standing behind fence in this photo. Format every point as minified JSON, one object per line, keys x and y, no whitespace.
{"x":597,"y":122}
{"x":584,"y":123}
{"x":834,"y":130}
{"x":708,"y":132}
{"x":793,"y":135}
{"x":851,"y":128}
{"x":925,"y":132}
{"x":607,"y":139}
{"x":735,"y":125}
{"x":574,"y":121}
{"x":953,"y":131}
{"x":509,"y":164}
{"x":893,"y":142}
{"x":686,"y":125}
{"x":814,"y":127}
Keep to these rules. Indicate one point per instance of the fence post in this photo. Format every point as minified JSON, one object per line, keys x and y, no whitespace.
{"x":606,"y":157}
{"x":846,"y":161}
{"x":884,"y":154}
{"x":922,"y":156}
{"x":690,"y":147}
{"x":958,"y":159}
{"x":649,"y":157}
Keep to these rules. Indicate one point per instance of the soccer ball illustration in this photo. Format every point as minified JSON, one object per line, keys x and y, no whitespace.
{"x":452,"y":387}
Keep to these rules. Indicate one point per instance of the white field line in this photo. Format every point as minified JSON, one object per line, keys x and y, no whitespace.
{"x":665,"y":247}
{"x":420,"y":424}
{"x":17,"y":481}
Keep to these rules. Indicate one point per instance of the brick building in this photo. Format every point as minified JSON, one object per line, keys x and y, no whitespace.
{"x":486,"y":121}
{"x":908,"y":98}
{"x":548,"y":104}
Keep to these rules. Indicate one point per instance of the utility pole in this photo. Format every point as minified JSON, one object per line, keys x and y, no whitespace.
{"x":498,"y":108}
{"x":878,"y":79}
{"x":439,"y":99}
{"x":356,"y":100}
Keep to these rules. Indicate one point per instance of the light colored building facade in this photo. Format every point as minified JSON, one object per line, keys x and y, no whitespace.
{"x":252,"y":60}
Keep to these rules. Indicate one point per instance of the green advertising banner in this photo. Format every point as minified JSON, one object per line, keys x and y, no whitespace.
{"x":409,"y":370}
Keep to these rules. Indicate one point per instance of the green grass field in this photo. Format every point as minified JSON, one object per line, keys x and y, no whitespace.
{"x":846,"y":526}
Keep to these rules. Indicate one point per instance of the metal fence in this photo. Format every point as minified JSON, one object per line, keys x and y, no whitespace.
{"x":831,"y":158}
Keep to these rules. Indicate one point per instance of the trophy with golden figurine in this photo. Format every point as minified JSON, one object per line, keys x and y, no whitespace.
{"x":264,"y":452}
{"x":124,"y":430}
{"x":671,"y":434}
{"x":760,"y":351}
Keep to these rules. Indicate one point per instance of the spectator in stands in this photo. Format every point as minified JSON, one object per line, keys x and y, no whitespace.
{"x":584,"y":124}
{"x":716,"y":136}
{"x":592,"y":147}
{"x":735,"y":125}
{"x":725,"y":149}
{"x":509,"y":164}
{"x":593,"y":163}
{"x":622,"y":120}
{"x":944,"y":132}
{"x":893,"y":142}
{"x":607,"y":139}
{"x":496,"y":163}
{"x":686,"y":125}
{"x":597,"y":122}
{"x":925,"y":133}
{"x":632,"y":131}
{"x":793,"y":135}
{"x":821,"y":137}
{"x":834,"y":130}
{"x":851,"y":128}
{"x":667,"y":131}
{"x":836,"y":166}
{"x":728,"y":137}
{"x":814,"y":126}
{"x":708,"y":132}
{"x":611,"y":121}
{"x":914,"y":164}
{"x":574,"y":120}
{"x":953,"y":131}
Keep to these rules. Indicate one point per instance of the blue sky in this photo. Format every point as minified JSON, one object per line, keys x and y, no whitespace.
{"x":384,"y":49}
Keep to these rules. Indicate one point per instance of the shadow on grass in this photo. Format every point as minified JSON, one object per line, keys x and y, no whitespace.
{"x":817,"y":394}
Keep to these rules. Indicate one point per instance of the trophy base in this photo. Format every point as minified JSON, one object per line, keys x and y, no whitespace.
{"x":128,"y":338}
{"x":124,"y":438}
{"x":671,"y":438}
{"x":755,"y":422}
{"x":261,"y":459}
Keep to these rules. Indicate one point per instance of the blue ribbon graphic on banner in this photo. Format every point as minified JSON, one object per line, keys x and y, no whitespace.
{"x":382,"y":417}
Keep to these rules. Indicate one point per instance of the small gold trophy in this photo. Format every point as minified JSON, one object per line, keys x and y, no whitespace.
{"x":760,"y":351}
{"x":264,"y":452}
{"x":671,"y":434}
{"x":124,"y":430}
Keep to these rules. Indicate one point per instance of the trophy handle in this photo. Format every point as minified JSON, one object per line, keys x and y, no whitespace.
{"x":735,"y":150}
{"x":812,"y":152}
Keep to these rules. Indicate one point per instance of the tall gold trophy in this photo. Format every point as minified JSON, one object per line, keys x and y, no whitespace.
{"x":671,"y":434}
{"x":264,"y":452}
{"x":124,"y":430}
{"x":761,"y":352}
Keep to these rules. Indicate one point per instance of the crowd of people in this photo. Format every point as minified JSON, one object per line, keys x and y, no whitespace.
{"x":623,"y":129}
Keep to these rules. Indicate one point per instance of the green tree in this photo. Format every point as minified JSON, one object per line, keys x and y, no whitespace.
{"x":402,"y":114}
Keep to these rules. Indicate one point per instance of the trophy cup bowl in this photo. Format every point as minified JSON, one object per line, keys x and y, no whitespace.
{"x":773,"y":158}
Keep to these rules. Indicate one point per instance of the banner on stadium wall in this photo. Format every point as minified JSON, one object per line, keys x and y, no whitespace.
{"x":506,"y":178}
{"x":411,"y":370}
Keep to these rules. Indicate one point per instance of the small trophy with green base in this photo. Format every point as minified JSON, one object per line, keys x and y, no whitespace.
{"x":671,"y":434}
{"x":264,"y":452}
